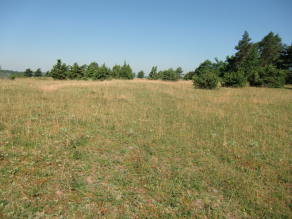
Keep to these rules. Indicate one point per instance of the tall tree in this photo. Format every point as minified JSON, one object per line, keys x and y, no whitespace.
{"x":270,"y":47}
{"x":28,"y":72}
{"x":244,"y":47}
{"x":140,"y":74}
{"x":38,"y":73}
{"x":252,"y":65}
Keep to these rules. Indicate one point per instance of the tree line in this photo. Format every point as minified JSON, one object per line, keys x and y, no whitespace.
{"x":61,"y":71}
{"x":267,"y":63}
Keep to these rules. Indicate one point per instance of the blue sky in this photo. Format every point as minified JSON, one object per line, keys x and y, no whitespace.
{"x":145,"y":33}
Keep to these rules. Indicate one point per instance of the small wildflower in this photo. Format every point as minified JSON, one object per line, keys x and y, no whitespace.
{"x":243,"y":209}
{"x":228,"y":181}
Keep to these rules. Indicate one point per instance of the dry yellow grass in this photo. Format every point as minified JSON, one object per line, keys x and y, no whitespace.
{"x":114,"y":146}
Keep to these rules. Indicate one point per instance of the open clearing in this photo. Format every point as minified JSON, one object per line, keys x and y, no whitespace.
{"x":136,"y":149}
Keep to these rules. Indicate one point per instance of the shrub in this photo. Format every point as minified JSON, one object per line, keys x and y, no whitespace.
{"x":234,"y":79}
{"x":75,"y":72}
{"x":38,"y":73}
{"x":189,"y":75}
{"x":28,"y":72}
{"x":169,"y":75}
{"x":59,"y":71}
{"x":126,"y":72}
{"x":102,"y":73}
{"x":140,"y":74}
{"x":153,"y":73}
{"x":268,"y":77}
{"x":207,"y":80}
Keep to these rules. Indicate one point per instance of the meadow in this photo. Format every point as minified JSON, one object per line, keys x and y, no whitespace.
{"x":143,"y":149}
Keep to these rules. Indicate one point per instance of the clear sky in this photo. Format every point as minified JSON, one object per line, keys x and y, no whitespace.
{"x":145,"y":33}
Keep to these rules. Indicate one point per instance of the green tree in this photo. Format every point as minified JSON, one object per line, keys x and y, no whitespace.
{"x":234,"y":79}
{"x":285,"y":58}
{"x":244,"y":47}
{"x":189,"y":75}
{"x":285,"y":62}
{"x":59,"y":71}
{"x":126,"y":72}
{"x":102,"y":73}
{"x":116,"y":71}
{"x":48,"y":74}
{"x":153,"y":73}
{"x":28,"y":73}
{"x":141,"y":74}
{"x":169,"y":75}
{"x":216,"y":67}
{"x":179,"y":71}
{"x":231,"y":64}
{"x":270,"y":48}
{"x":76,"y":72}
{"x":93,"y":65}
{"x":207,"y":65}
{"x":91,"y":70}
{"x":38,"y":73}
{"x":207,"y":80}
{"x":270,"y":77}
{"x":252,"y":65}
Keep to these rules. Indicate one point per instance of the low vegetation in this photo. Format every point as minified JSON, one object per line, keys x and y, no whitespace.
{"x":141,"y":148}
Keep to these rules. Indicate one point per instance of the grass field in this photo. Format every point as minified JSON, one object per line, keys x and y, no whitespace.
{"x":137,"y":149}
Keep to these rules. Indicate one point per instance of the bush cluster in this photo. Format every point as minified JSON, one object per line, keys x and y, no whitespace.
{"x":61,"y":71}
{"x":208,"y":80}
{"x":267,"y":63}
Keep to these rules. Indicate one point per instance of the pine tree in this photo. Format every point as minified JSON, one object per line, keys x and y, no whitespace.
{"x":75,"y":72}
{"x":59,"y":71}
{"x":179,"y":71}
{"x":270,"y":47}
{"x":285,"y":62}
{"x":126,"y":72}
{"x":116,"y":71}
{"x":189,"y":75}
{"x":252,"y":65}
{"x":285,"y":58}
{"x":28,"y":72}
{"x":153,"y":73}
{"x":38,"y":73}
{"x":244,"y":47}
{"x":169,"y":75}
{"x":102,"y":73}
